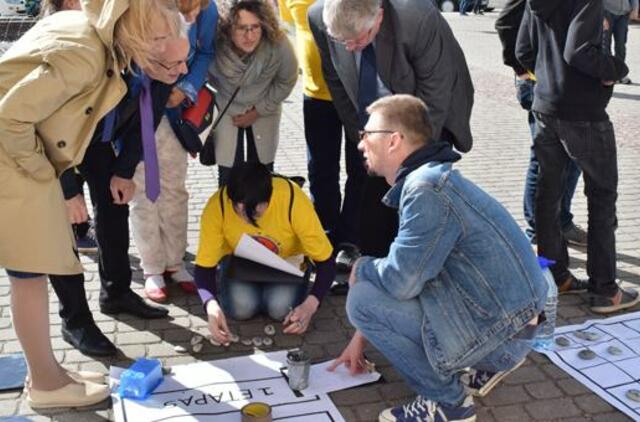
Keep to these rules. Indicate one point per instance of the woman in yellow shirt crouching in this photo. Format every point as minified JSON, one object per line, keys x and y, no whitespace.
{"x":277,"y":213}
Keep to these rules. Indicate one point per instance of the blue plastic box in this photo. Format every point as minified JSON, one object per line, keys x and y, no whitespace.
{"x":139,"y":381}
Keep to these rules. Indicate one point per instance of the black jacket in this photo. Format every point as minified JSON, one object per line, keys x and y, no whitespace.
{"x":561,"y":42}
{"x":127,"y":129}
{"x":507,"y":26}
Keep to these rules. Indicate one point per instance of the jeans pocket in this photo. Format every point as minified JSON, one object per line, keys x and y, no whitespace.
{"x":603,"y":140}
{"x":576,"y":137}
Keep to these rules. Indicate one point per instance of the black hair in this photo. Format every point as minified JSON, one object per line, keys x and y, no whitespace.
{"x":249,"y":184}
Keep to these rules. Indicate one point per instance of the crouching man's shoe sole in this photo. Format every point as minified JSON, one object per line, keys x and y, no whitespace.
{"x":71,"y":395}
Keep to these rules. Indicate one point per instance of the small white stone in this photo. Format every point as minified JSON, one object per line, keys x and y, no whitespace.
{"x":196,"y":340}
{"x":246,"y":341}
{"x":197,"y":348}
{"x":234,"y":338}
{"x":257,"y":341}
{"x":267,"y":341}
{"x":270,"y":330}
{"x":180,"y":349}
{"x":214,"y":342}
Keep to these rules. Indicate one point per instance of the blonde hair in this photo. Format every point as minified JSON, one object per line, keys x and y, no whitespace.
{"x":406,"y":112}
{"x":135,"y":30}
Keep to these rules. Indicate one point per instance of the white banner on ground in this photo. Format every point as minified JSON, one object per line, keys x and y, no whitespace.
{"x":604,"y":355}
{"x":217,"y":390}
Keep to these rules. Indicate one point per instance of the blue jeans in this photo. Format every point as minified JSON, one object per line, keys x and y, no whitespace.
{"x":242,"y":300}
{"x":524,"y":94}
{"x":394,"y":327}
{"x":323,"y":133}
{"x":618,"y":29}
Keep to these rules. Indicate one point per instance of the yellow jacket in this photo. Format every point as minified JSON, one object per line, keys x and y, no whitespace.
{"x":295,"y":12}
{"x":56,"y":84}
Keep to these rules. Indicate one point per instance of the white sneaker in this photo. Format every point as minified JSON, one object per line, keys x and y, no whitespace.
{"x":155,"y":288}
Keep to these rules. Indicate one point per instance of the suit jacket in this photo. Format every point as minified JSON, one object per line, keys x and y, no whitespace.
{"x":416,"y":54}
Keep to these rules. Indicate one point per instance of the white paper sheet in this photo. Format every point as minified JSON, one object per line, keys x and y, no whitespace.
{"x":217,"y":390}
{"x":251,"y":249}
{"x":608,"y":375}
{"x":322,"y":381}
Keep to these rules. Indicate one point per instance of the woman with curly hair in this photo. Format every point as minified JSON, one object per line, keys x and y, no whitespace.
{"x":254,"y":55}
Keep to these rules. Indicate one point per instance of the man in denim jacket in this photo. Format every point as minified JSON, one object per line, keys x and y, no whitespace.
{"x":461,"y":286}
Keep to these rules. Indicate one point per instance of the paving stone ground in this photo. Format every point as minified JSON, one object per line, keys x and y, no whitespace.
{"x":537,"y":391}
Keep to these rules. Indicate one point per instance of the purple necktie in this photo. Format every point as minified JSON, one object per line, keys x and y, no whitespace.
{"x":151,"y":172}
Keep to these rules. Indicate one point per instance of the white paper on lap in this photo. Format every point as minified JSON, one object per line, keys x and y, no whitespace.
{"x":251,"y":249}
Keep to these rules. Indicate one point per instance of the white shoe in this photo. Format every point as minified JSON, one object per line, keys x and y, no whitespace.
{"x":155,"y":288}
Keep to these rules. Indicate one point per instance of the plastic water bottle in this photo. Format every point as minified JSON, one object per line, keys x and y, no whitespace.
{"x":544,"y":339}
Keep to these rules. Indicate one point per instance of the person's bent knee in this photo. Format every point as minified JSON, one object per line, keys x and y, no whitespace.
{"x":241,"y":309}
{"x":361,"y":296}
{"x":278,"y":311}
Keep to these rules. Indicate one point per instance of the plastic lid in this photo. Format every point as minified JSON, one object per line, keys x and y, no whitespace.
{"x":545,"y":262}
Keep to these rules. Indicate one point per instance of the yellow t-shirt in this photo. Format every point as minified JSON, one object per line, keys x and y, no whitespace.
{"x":220,"y":234}
{"x":295,"y":12}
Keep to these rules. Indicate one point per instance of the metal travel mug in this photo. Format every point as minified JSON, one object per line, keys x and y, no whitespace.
{"x":299,"y":364}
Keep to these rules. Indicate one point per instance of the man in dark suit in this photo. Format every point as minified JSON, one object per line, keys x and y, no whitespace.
{"x":373,"y":48}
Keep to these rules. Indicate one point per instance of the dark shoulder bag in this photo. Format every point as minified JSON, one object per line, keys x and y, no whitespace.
{"x":208,"y":152}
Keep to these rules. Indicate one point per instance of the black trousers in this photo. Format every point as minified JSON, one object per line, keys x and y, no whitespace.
{"x":592,"y":146}
{"x":112,"y":234}
{"x":323,"y":133}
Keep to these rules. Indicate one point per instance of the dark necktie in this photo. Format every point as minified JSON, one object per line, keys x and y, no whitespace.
{"x":368,"y":82}
{"x":151,"y":171}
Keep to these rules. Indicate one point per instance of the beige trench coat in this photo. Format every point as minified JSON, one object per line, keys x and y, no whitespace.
{"x":56,"y":83}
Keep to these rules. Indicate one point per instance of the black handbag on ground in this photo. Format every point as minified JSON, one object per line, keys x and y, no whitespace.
{"x":208,"y":152}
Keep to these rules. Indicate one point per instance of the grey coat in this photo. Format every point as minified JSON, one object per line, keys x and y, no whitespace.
{"x":620,"y":7}
{"x":266,"y":80}
{"x":416,"y":54}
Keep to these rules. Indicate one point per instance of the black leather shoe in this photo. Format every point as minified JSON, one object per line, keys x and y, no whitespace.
{"x":131,"y":303}
{"x":89,"y":340}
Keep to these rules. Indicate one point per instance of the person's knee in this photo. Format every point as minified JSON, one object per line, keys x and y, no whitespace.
{"x":242,"y":307}
{"x":279,"y":310}
{"x":277,"y":306}
{"x":359,"y":302}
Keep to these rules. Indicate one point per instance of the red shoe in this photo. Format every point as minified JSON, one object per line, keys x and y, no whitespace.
{"x":155,"y":289}
{"x":184,"y":280}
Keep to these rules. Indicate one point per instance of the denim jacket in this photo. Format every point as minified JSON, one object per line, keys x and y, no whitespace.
{"x":461,"y":254}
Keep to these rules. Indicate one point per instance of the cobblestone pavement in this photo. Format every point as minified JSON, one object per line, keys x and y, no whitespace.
{"x":536,"y":391}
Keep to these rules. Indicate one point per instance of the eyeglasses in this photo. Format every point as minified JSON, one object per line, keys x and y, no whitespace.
{"x":174,"y":65}
{"x":363,"y":133}
{"x":355,"y":41}
{"x":248,"y":29}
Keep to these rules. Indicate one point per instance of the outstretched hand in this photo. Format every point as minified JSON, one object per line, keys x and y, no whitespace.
{"x":352,"y":357}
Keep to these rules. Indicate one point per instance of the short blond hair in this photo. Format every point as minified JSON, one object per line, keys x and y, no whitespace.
{"x":406,"y":113}
{"x":134,"y":31}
